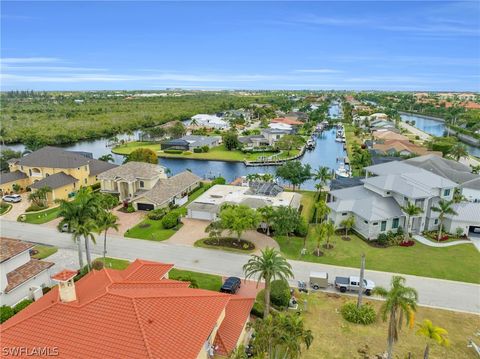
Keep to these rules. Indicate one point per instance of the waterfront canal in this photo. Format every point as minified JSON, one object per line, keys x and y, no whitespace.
{"x":435,"y":128}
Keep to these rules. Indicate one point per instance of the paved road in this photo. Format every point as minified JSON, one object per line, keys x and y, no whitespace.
{"x":432,"y":292}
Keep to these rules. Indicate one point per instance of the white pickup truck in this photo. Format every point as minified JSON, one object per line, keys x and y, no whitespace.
{"x":353,"y":284}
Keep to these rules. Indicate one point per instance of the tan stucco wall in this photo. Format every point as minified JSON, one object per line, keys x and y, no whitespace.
{"x":60,"y":193}
{"x":8,"y":187}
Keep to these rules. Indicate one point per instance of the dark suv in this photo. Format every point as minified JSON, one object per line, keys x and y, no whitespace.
{"x":231,"y":285}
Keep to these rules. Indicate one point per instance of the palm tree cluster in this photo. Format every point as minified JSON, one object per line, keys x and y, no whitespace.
{"x":88,"y":214}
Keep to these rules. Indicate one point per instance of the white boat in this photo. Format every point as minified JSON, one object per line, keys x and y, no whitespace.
{"x":340,"y":139}
{"x":342,"y":171}
{"x":310,"y":144}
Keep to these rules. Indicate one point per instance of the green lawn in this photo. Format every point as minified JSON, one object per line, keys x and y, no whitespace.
{"x":43,"y":216}
{"x":308,"y":204}
{"x":418,"y":260}
{"x":128,"y":148}
{"x":151,"y":230}
{"x":114,"y":263}
{"x":204,"y":281}
{"x":4,"y":208}
{"x":44,"y":251}
{"x":201,"y":243}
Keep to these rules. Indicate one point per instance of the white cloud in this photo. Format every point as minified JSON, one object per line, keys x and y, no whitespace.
{"x":50,"y":68}
{"x":28,"y":60}
{"x":318,"y":71}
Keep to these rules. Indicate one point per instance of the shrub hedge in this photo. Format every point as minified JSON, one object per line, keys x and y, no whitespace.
{"x":364,"y":315}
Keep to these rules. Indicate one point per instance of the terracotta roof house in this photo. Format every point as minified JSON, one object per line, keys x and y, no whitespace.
{"x":287,"y":121}
{"x":63,"y":171}
{"x":132,"y":313}
{"x":404,"y":148}
{"x":21,"y":277}
{"x":388,"y":135}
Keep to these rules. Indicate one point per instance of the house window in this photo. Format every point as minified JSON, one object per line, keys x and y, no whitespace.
{"x":85,"y":180}
{"x":446,"y":193}
{"x":436,"y":221}
{"x":383,"y":226}
{"x":366,"y":222}
{"x":30,"y":171}
{"x":395,"y":223}
{"x":142,"y":184}
{"x":388,"y":192}
{"x":344,"y":213}
{"x":375,"y":223}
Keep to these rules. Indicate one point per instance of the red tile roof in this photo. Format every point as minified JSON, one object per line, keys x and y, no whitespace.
{"x":287,"y":121}
{"x":64,"y":275}
{"x":131,"y":314}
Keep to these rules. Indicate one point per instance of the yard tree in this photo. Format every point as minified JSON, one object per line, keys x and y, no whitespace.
{"x":458,"y":151}
{"x":400,"y":302}
{"x":269,"y":265}
{"x":321,"y":176}
{"x":444,"y":207}
{"x":238,"y":219}
{"x":282,"y":335}
{"x":214,"y":230}
{"x":285,"y":220}
{"x":329,"y":231}
{"x":289,"y":142}
{"x":433,"y":334}
{"x":348,"y":223}
{"x":142,"y":155}
{"x":295,"y":173}
{"x":106,"y":220}
{"x":8,"y":154}
{"x":106,"y":158}
{"x":410,"y":211}
{"x":268,"y":215}
{"x":321,"y":211}
{"x":230,"y":140}
{"x":177,"y":130}
{"x":39,"y":197}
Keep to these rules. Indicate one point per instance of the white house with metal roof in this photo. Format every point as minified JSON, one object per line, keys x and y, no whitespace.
{"x":467,"y":218}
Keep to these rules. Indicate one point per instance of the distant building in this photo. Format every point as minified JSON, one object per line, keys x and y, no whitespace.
{"x":210,"y":121}
{"x":190,"y":142}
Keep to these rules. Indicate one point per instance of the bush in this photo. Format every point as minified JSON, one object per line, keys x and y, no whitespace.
{"x":34,"y":208}
{"x":22,"y":305}
{"x":156,"y":214}
{"x":364,"y":315}
{"x":257,"y":309}
{"x":219,"y":180}
{"x":97,"y":264}
{"x":382,"y":239}
{"x":170,"y":220}
{"x":175,"y":152}
{"x":197,"y":150}
{"x":187,"y":153}
{"x":6,"y":313}
{"x":95,"y":186}
{"x":400,"y":231}
{"x":280,"y":293}
{"x":205,"y":149}
{"x":45,"y":290}
{"x":408,"y":243}
{"x":130,"y":208}
{"x":302,"y":228}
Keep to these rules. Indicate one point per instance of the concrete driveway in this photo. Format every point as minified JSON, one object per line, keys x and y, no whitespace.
{"x":127,"y":220}
{"x":17,"y":208}
{"x":194,"y":229}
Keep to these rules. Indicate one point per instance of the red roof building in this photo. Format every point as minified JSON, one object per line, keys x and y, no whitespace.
{"x":133,"y":313}
{"x":287,"y":121}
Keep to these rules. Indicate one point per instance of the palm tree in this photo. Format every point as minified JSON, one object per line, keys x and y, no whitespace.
{"x":106,"y":220}
{"x":214,"y":230}
{"x":348,"y":224}
{"x":400,"y":302}
{"x":295,"y":335}
{"x":329,"y":231}
{"x":443,"y":208}
{"x":410,"y":211}
{"x":270,"y":265}
{"x":458,"y":151}
{"x":106,"y":158}
{"x":40,"y":196}
{"x":321,"y":210}
{"x":437,"y":334}
{"x":86,"y":230}
{"x":268,"y":214}
{"x":322,"y":175}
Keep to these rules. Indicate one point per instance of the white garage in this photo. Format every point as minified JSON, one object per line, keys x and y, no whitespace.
{"x":467,"y":218}
{"x":202,"y":211}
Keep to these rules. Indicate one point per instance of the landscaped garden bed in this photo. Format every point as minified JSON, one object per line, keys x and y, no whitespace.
{"x":226,"y":243}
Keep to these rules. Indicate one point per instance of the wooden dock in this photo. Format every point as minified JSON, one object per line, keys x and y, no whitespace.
{"x":274,"y":162}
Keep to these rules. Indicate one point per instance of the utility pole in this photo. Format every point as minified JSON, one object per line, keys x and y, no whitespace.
{"x":362,"y":274}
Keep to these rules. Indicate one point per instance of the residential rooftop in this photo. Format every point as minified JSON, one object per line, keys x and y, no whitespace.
{"x":131,"y":171}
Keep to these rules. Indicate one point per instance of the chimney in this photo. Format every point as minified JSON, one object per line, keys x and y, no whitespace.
{"x":66,"y":285}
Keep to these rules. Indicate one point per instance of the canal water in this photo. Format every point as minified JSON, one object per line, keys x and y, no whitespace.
{"x":435,"y":128}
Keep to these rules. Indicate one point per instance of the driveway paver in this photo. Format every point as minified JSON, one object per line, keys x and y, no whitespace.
{"x":127,"y":220}
{"x":17,"y":208}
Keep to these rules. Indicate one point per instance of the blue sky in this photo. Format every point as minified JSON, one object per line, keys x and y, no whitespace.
{"x":383,"y":45}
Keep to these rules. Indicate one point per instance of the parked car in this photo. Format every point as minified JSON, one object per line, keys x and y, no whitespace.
{"x":353,"y":284}
{"x":231,"y":285}
{"x":14,"y":198}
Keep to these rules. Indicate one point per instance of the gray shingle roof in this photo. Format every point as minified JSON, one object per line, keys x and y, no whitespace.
{"x":53,"y":157}
{"x":466,"y":212}
{"x":365,"y":204}
{"x":12,"y":176}
{"x":130,"y":171}
{"x":165,"y":189}
{"x":454,"y":171}
{"x":97,"y":166}
{"x":56,"y":180}
{"x":472,"y":184}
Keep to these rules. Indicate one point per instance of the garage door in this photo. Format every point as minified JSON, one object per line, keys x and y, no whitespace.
{"x":207,"y":216}
{"x":145,"y":206}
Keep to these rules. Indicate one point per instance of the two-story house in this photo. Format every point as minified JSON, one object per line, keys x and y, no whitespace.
{"x":21,"y":276}
{"x":377,"y":204}
{"x":137,"y":312}
{"x":64,"y":172}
